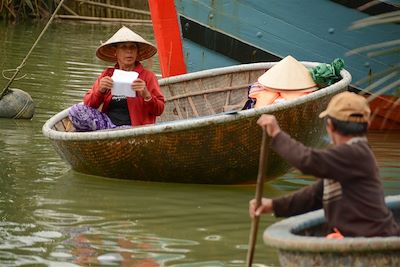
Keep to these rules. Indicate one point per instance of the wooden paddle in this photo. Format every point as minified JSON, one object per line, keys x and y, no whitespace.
{"x":259,"y":193}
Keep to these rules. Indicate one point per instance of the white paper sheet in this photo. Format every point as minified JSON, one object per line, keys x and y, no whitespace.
{"x":122,"y":81}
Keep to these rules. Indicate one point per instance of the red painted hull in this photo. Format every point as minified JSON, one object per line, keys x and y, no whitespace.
{"x":385,"y":113}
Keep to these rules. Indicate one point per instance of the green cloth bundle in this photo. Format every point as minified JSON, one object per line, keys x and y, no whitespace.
{"x":327,"y":74}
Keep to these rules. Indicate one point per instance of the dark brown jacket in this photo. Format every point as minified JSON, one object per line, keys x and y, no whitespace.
{"x":350,"y":191}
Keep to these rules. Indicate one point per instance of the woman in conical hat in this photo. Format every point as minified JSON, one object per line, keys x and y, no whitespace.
{"x":286,"y":80}
{"x":126,"y":49}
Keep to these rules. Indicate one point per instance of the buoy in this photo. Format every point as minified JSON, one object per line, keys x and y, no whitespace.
{"x":17,"y":104}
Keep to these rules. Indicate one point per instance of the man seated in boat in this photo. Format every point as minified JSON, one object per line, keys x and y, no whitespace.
{"x":140,"y":103}
{"x":286,"y":80}
{"x":349,"y":188}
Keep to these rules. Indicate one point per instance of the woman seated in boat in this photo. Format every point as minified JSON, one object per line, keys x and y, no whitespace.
{"x":140,"y":103}
{"x":349,"y":188}
{"x":288,"y":79}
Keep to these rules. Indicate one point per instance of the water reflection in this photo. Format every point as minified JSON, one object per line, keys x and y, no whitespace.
{"x":51,"y":216}
{"x":149,"y":220}
{"x":95,"y":221}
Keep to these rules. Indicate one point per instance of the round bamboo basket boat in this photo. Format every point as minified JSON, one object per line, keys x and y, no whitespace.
{"x":203,"y":136}
{"x":300,"y":241}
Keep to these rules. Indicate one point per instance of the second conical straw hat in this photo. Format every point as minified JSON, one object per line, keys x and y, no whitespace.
{"x":288,"y":74}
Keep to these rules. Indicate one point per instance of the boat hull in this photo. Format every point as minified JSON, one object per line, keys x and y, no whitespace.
{"x":221,"y":148}
{"x":300,"y":243}
{"x":254,"y":31}
{"x":212,"y":153}
{"x":385,"y":113}
{"x":224,"y":33}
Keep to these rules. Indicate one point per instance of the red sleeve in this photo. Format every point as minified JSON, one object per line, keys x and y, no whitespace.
{"x":155,"y":106}
{"x":93,"y":98}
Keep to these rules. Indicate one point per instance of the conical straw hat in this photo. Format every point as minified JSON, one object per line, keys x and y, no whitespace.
{"x":288,"y":74}
{"x":106,"y":51}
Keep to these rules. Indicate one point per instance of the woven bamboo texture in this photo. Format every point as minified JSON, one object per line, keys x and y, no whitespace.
{"x":301,"y":241}
{"x":202,"y":136}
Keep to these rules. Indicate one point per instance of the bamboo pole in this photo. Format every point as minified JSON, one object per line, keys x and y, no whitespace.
{"x":69,"y":10}
{"x":81,"y":9}
{"x":86,"y":18}
{"x":120,"y":12}
{"x":10,"y":11}
{"x":108,"y":9}
{"x":131,"y":10}
{"x":93,"y":11}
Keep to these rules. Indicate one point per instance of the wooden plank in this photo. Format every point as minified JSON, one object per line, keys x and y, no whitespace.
{"x":178,"y":109}
{"x":193,"y":106}
{"x":208,"y":104}
{"x":176,"y":103}
{"x":59,"y":126}
{"x":228,"y":94}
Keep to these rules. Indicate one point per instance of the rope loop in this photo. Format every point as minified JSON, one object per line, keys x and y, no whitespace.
{"x":9,"y":78}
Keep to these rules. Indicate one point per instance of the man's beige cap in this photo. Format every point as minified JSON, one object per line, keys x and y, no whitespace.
{"x":288,"y":74}
{"x":106,"y":51}
{"x":348,"y":106}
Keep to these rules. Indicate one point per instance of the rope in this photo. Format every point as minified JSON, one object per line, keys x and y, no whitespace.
{"x":7,"y":78}
{"x":23,"y":109}
{"x":5,"y":90}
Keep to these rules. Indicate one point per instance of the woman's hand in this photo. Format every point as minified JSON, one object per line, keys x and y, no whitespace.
{"x":105,"y":84}
{"x":265,"y":207}
{"x":139,"y":86}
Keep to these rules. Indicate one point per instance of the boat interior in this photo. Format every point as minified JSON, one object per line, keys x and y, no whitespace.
{"x":321,"y":230}
{"x":199,"y":97}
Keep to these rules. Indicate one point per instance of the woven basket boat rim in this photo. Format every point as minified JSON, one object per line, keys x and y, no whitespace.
{"x":279,"y":235}
{"x":179,"y":125}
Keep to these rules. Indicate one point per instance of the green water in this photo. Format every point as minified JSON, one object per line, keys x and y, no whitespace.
{"x":52,"y":216}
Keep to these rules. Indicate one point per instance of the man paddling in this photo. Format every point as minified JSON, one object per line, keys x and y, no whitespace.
{"x":349,"y":187}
